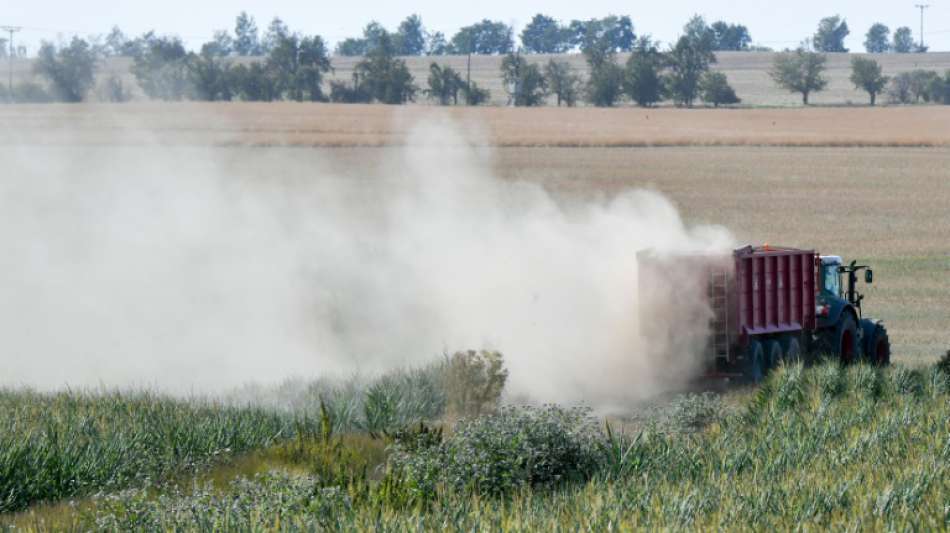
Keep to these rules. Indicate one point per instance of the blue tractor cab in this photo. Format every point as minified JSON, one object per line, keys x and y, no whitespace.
{"x":842,"y":330}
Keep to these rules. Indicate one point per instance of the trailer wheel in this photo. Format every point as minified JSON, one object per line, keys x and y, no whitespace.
{"x":774,"y":351}
{"x":880,"y":347}
{"x":755,"y":359}
{"x":793,"y":351}
{"x":847,"y":335}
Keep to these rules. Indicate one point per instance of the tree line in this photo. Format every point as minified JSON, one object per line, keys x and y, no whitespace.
{"x":284,"y":65}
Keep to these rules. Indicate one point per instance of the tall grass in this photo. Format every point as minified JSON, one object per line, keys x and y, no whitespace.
{"x":54,"y":446}
{"x":58,"y":445}
{"x":824,"y":447}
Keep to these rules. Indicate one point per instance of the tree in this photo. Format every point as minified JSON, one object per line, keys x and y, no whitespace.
{"x":939,"y":89}
{"x":222,"y":45}
{"x":444,"y":84}
{"x":612,"y":32}
{"x":830,"y":35}
{"x":800,"y":72}
{"x":899,"y":90}
{"x":913,"y":86}
{"x":877,"y":40}
{"x":298,"y":64}
{"x":605,"y":84}
{"x":351,"y":47}
{"x":410,"y":38}
{"x":688,"y":60}
{"x":475,"y":95}
{"x":437,"y":45}
{"x":485,"y":37}
{"x":866,"y":74}
{"x":71,"y":70}
{"x":524,"y":82}
{"x":921,"y":82}
{"x":642,"y":80}
{"x":117,"y":44}
{"x":562,"y":82}
{"x":276,"y":31}
{"x":210,"y":76}
{"x":714,"y":89}
{"x":543,"y":35}
{"x":246,"y":40}
{"x":903,"y":40}
{"x":734,"y":37}
{"x":253,"y":82}
{"x":383,"y":77}
{"x":161,"y":67}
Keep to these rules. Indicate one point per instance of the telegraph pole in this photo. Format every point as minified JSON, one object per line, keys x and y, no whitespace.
{"x":921,"y":7}
{"x":11,"y":30}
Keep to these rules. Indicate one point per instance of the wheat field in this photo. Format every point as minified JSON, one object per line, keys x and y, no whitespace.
{"x":339,"y":125}
{"x":868,"y":184}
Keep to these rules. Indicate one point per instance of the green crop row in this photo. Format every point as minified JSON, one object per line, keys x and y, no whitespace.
{"x":824,"y":447}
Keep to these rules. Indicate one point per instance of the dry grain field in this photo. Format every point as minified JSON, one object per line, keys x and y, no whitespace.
{"x":868,"y":184}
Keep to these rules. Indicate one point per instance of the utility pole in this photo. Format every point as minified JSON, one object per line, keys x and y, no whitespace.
{"x":11,"y":30}
{"x":921,"y":7}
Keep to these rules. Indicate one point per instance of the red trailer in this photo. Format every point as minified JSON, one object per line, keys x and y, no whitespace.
{"x":756,"y":307}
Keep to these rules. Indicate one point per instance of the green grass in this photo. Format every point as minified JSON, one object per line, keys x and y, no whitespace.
{"x":812,"y":448}
{"x":54,"y":446}
{"x":824,"y":447}
{"x":69,"y":444}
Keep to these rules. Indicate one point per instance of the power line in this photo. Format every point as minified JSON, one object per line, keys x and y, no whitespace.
{"x":11,"y":30}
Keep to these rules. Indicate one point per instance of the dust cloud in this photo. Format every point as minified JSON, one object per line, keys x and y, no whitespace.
{"x":200,"y":269}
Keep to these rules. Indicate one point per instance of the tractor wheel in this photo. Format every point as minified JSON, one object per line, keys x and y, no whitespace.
{"x":879,"y":347}
{"x":847,"y":336}
{"x":774,"y":351}
{"x":755,"y":361}
{"x":793,"y":351}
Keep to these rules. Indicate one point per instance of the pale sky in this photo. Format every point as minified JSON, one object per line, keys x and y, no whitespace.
{"x":777,"y":25}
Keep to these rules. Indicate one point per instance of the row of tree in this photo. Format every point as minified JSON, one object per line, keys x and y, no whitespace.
{"x":681,"y":74}
{"x":832,"y":31}
{"x":295,"y":66}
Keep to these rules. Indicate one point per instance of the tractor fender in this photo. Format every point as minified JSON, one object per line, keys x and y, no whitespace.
{"x":836,"y":313}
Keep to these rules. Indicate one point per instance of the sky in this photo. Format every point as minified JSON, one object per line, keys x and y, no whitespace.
{"x":777,"y":25}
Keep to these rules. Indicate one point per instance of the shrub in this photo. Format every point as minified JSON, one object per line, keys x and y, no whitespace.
{"x":500,"y":453}
{"x":473,"y":382}
{"x":693,"y":412}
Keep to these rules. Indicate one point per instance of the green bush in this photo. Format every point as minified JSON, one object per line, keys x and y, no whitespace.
{"x":273,"y":501}
{"x":499,"y":453}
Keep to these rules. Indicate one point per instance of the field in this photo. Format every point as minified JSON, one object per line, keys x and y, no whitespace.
{"x":817,"y":447}
{"x":747,"y":72}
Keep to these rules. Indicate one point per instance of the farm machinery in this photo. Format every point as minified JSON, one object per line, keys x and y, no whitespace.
{"x":759,"y":307}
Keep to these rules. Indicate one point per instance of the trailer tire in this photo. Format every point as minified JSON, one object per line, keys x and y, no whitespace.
{"x":879,"y":347}
{"x":774,"y":351}
{"x":846,"y":335}
{"x":793,"y":351}
{"x":755,"y":361}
